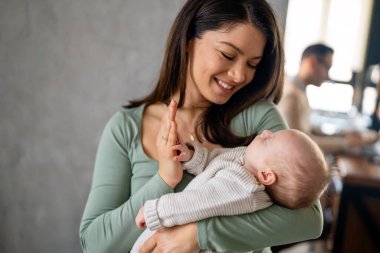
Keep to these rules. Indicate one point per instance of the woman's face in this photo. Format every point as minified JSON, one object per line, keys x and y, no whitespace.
{"x":222,"y":62}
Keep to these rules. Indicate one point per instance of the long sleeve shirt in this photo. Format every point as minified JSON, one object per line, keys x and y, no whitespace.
{"x":125,"y":178}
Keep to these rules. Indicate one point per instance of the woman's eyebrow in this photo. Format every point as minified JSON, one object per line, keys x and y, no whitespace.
{"x":238,"y":49}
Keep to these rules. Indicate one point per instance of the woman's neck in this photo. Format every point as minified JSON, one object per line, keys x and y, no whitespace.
{"x":193,"y":105}
{"x":188,"y":115}
{"x":186,"y":119}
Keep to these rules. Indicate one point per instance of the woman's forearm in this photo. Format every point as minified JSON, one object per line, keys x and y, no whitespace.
{"x":115,"y":230}
{"x":272,"y":226}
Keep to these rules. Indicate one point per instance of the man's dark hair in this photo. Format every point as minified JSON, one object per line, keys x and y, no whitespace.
{"x":320,"y":50}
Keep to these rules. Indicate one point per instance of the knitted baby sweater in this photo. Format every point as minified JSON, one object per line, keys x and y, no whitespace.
{"x":224,"y":187}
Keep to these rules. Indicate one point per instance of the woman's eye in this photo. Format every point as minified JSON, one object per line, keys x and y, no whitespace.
{"x":228,"y":57}
{"x":253,"y":66}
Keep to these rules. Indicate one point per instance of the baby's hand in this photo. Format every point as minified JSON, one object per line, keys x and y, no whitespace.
{"x":140,"y":219}
{"x":184,"y":154}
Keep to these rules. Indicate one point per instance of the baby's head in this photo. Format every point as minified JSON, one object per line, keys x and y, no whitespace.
{"x":290,"y":165}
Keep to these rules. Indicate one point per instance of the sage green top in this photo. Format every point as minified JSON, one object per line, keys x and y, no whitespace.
{"x":125,"y":177}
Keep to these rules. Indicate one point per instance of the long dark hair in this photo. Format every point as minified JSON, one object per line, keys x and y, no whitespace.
{"x":195,"y":18}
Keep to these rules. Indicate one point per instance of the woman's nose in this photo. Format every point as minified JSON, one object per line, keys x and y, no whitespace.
{"x":237,"y":73}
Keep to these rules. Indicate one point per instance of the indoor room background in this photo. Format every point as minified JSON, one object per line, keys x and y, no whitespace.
{"x":66,"y":66}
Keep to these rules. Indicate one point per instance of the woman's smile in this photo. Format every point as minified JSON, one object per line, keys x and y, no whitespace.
{"x":225,"y":87}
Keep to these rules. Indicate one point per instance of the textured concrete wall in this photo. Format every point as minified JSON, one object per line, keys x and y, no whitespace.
{"x":65,"y":67}
{"x":280,"y":8}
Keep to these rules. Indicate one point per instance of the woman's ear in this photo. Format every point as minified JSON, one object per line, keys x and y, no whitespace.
{"x":189,"y":46}
{"x":266,"y":177}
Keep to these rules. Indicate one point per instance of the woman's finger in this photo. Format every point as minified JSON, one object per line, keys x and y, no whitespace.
{"x":166,"y":120}
{"x":149,"y":245}
{"x":163,"y":133}
{"x":172,"y":138}
{"x":176,"y":239}
{"x":172,"y":110}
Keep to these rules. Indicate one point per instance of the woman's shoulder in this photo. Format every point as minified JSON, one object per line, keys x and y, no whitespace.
{"x":257,"y":110}
{"x":126,"y":121}
{"x":128,"y":115}
{"x":260,"y":106}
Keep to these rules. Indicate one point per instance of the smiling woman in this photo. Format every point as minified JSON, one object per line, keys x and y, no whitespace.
{"x":223,"y":64}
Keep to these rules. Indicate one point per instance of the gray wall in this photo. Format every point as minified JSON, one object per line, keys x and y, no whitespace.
{"x":280,"y":8}
{"x":65,"y":68}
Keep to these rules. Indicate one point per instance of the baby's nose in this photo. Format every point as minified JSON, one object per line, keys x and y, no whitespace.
{"x":266,"y":133}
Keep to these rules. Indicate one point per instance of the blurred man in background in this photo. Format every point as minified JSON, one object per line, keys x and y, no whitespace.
{"x":315,"y":63}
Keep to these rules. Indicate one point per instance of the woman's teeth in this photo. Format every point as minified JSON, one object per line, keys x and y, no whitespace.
{"x":225,"y":85}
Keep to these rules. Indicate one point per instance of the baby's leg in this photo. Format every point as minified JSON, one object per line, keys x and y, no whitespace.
{"x":140,"y":241}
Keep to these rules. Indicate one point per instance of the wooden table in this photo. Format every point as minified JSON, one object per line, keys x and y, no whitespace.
{"x":358,"y":170}
{"x":358,"y":224}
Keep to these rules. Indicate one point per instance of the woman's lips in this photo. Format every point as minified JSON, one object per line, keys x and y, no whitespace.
{"x":224,"y":86}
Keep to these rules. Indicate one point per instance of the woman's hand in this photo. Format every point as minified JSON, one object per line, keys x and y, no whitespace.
{"x":172,"y":240}
{"x":170,"y":170}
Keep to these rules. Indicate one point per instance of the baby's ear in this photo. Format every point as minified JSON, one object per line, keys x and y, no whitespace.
{"x":266,"y":177}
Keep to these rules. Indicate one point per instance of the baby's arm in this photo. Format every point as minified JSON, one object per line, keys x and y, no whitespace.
{"x":227,"y":193}
{"x":200,"y":157}
{"x":198,"y":160}
{"x":192,"y":155}
{"x":185,"y":153}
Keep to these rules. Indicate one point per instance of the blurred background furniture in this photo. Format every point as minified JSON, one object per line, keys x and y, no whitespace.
{"x":358,"y":223}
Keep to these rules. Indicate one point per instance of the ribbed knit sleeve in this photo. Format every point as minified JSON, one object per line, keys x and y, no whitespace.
{"x":151,"y":216}
{"x":198,"y":162}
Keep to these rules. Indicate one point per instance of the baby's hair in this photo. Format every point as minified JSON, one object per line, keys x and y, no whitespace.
{"x":301,"y":178}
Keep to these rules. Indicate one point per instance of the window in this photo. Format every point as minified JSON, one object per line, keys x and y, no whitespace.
{"x":341,"y":24}
{"x":333,"y":97}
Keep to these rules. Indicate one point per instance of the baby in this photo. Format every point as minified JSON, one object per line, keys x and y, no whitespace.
{"x":285,"y":167}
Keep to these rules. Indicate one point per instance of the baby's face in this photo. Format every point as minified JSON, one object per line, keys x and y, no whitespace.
{"x":267,"y":146}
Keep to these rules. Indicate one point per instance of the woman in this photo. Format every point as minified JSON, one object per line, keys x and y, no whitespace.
{"x":223,"y":64}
